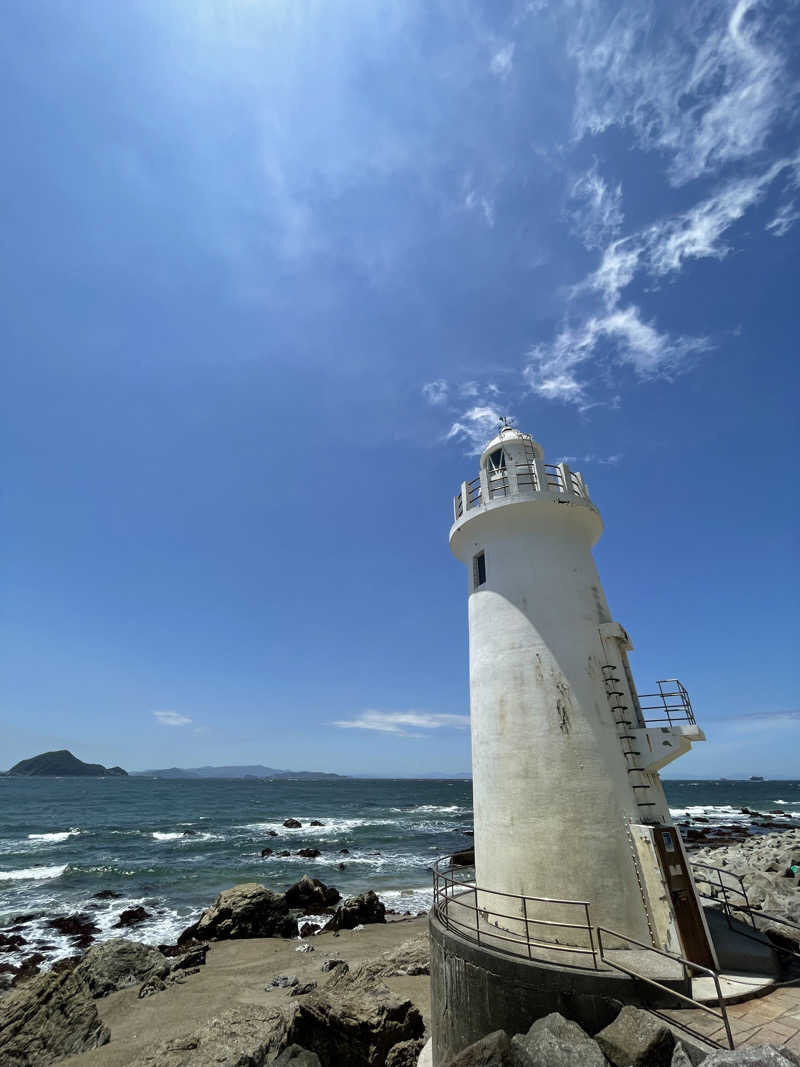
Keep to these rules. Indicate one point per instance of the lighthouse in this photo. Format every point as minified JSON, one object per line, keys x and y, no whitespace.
{"x":565,"y":765}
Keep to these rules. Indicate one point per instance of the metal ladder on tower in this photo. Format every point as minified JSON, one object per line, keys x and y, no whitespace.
{"x":622,"y":712}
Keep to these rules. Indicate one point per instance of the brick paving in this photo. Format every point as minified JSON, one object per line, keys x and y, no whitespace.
{"x":773,"y":1019}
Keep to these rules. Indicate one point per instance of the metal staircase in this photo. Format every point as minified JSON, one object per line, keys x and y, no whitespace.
{"x":624,"y":714}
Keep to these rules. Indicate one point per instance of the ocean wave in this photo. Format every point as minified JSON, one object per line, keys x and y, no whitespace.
{"x":413,"y":900}
{"x":171,"y":836}
{"x":58,"y":835}
{"x":31,"y":874}
{"x":329,"y":828}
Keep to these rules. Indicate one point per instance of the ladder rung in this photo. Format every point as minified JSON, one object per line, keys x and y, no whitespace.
{"x":608,"y":667}
{"x":647,"y":804}
{"x":631,"y":770}
{"x":615,"y":693}
{"x":611,"y":678}
{"x":619,"y":707}
{"x":623,"y":722}
{"x":640,"y":787}
{"x":627,"y":737}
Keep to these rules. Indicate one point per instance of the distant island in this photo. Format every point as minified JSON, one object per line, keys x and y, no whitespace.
{"x":62,"y":764}
{"x":252,"y":771}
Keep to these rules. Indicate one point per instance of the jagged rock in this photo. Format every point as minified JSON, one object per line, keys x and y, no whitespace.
{"x":554,"y":1041}
{"x":194,"y":957}
{"x":464,"y":858}
{"x":81,"y":928}
{"x":247,"y":910}
{"x":316,"y":822}
{"x":116,"y":964}
{"x":494,"y":1050}
{"x":266,"y":852}
{"x":309,"y":853}
{"x":301,"y":990}
{"x":405,"y":1053}
{"x":292,"y":824}
{"x":328,"y":965}
{"x":680,"y":1057}
{"x":637,"y":1039}
{"x":151,"y":986}
{"x":351,"y":1029}
{"x":285,"y":852}
{"x":46,"y":1019}
{"x":284,"y":981}
{"x":308,"y":929}
{"x":132,"y":916}
{"x":412,"y":957}
{"x":756,"y":1056}
{"x":295,"y":1056}
{"x":242,"y":1037}
{"x":312,"y":895}
{"x":106,"y":894}
{"x":272,"y":833}
{"x":356,"y":911}
{"x":11,"y":942}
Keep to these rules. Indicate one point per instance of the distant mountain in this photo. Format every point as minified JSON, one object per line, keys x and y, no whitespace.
{"x":62,"y":764}
{"x":253,"y":771}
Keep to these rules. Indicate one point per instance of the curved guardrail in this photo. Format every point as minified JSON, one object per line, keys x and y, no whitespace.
{"x":477,"y":914}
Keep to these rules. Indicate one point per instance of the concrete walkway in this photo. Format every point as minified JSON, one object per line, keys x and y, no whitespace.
{"x":773,"y":1019}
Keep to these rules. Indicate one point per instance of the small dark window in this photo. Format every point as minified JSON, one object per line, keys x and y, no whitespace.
{"x":479,"y":569}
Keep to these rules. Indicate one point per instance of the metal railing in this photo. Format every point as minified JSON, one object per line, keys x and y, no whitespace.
{"x":527,"y":478}
{"x":722,"y":1014}
{"x":462,"y":906}
{"x":671,"y":700}
{"x":552,"y":476}
{"x":720,"y":897}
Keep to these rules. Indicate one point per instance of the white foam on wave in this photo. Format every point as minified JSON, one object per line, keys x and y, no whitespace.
{"x":159,"y":836}
{"x":58,"y":835}
{"x":181,"y":835}
{"x":31,"y":874}
{"x":439,"y":809}
{"x":329,"y":828}
{"x":413,"y":900}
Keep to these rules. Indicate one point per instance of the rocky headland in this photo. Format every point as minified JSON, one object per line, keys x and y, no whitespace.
{"x":62,"y":764}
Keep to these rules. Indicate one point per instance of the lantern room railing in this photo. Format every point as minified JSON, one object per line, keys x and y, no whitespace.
{"x":519,"y":479}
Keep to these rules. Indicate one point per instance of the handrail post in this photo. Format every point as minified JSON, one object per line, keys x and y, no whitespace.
{"x":591,"y":938}
{"x":723,"y":1010}
{"x":527,"y":931}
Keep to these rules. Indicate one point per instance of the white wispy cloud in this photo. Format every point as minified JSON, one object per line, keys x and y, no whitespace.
{"x":707,"y":95}
{"x":610,"y":461}
{"x":402,"y":722}
{"x":435,"y":392}
{"x":476,"y":201}
{"x":783,"y":220}
{"x":597,"y":214}
{"x":476,"y":426}
{"x":502,"y":61}
{"x":171,"y":718}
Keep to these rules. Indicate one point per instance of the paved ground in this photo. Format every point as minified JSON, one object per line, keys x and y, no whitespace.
{"x":770,"y":1020}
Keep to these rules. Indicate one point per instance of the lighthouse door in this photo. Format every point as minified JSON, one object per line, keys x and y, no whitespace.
{"x":692,"y":927}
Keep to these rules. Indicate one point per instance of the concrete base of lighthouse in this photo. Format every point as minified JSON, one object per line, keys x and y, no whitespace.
{"x":476,"y":990}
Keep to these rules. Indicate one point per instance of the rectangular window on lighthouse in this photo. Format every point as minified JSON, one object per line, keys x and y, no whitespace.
{"x":479,"y":569}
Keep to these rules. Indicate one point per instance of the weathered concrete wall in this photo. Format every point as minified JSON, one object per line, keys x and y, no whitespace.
{"x":551,"y":786}
{"x":475,"y":991}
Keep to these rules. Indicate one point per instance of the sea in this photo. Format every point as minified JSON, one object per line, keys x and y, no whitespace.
{"x":170,"y":846}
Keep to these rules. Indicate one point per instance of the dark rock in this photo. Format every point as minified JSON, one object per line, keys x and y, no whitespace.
{"x":311,"y":895}
{"x":29,"y":968}
{"x":295,"y":1056}
{"x":405,"y":1053}
{"x":494,"y":1050}
{"x":355,"y":911}
{"x":11,"y":942}
{"x":116,"y":964}
{"x":308,"y":929}
{"x":464,"y":858}
{"x":189,"y":833}
{"x":309,"y":853}
{"x":266,"y":852}
{"x":46,"y":1019}
{"x":316,"y":822}
{"x":344,"y":851}
{"x":65,"y":964}
{"x":286,"y":853}
{"x":283,"y":981}
{"x":132,"y":916}
{"x":20,"y":920}
{"x":80,"y":927}
{"x":292,"y":824}
{"x":328,"y":965}
{"x":272,"y":833}
{"x":301,"y":990}
{"x":354,"y":1028}
{"x":554,"y":1041}
{"x":247,"y":910}
{"x":341,"y":866}
{"x":106,"y":894}
{"x":637,"y":1039}
{"x":755,"y":1056}
{"x":195,"y":957}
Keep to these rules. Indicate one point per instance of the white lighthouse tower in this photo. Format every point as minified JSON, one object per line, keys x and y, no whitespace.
{"x":567,"y":798}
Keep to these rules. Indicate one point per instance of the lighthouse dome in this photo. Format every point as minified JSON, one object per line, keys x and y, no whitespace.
{"x":510,"y":446}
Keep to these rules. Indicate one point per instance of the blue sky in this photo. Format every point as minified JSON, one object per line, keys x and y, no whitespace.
{"x":272,"y":272}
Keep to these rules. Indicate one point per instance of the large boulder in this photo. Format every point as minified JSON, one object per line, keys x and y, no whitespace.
{"x":115,"y":964}
{"x":405,"y":1053}
{"x":46,"y":1019}
{"x":554,"y":1041}
{"x":756,"y":1056}
{"x":354,"y":1028}
{"x":637,"y":1039}
{"x":357,"y":911}
{"x":243,"y":1037}
{"x":494,"y":1050}
{"x":247,"y":910}
{"x":312,"y":895}
{"x":411,"y":958}
{"x":295,"y":1056}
